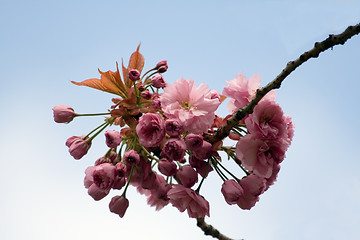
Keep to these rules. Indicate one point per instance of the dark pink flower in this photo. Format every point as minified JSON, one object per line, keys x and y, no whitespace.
{"x":134,"y":75}
{"x":156,"y":103}
{"x":146,"y":95}
{"x":187,"y":199}
{"x":193,"y":141}
{"x":168,"y":168}
{"x":161,"y":66}
{"x":99,"y":180}
{"x":267,"y":121}
{"x":187,"y":176}
{"x":158,"y":81}
{"x":253,"y":186}
{"x":232,"y":191}
{"x":173,"y":128}
{"x":78,"y":146}
{"x":131,"y":157}
{"x":203,"y":152}
{"x":150,"y":129}
{"x":174,"y":149}
{"x":63,"y":113}
{"x":113,"y":138}
{"x":260,"y":155}
{"x":119,"y":205}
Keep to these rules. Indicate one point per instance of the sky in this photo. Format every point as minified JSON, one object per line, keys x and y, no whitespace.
{"x":46,"y":44}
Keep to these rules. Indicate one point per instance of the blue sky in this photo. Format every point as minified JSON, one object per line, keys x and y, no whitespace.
{"x":46,"y":44}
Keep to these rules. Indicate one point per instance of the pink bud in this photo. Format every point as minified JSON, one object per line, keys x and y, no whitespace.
{"x":131,"y":157}
{"x":78,"y":146}
{"x":146,"y":95}
{"x":232,"y":191}
{"x":173,"y":128}
{"x":156,"y":103}
{"x":119,"y":205}
{"x":168,"y":168}
{"x":63,"y":114}
{"x":158,"y":81}
{"x":113,"y":138}
{"x":187,"y":175}
{"x":193,"y":141}
{"x":162,"y":66}
{"x":134,"y":75}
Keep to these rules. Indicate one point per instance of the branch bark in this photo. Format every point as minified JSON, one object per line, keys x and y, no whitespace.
{"x":223,"y":131}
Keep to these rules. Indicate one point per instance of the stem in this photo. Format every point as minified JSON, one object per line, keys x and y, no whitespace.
{"x":227,"y":171}
{"x":210,"y":230}
{"x":203,"y":178}
{"x":91,"y":114}
{"x":96,"y":129}
{"x":105,"y":126}
{"x":129,"y":179}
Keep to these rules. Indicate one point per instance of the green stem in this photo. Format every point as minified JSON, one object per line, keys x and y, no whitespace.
{"x":129,"y":179}
{"x":96,"y":129}
{"x":91,"y":114}
{"x":203,"y":178}
{"x":227,"y":171}
{"x":105,"y":126}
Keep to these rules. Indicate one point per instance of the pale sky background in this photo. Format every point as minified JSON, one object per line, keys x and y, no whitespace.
{"x":46,"y":44}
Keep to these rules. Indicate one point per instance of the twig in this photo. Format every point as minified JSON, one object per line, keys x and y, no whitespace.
{"x":223,"y":131}
{"x":319,"y":47}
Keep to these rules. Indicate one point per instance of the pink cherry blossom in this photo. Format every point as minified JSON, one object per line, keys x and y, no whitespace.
{"x":268,"y":121}
{"x":173,"y":128}
{"x":150,"y":129}
{"x":259,"y":155}
{"x":252,"y":186}
{"x":174,"y":149}
{"x":242,"y":91}
{"x":131,"y":157}
{"x":168,"y":168}
{"x":187,"y":199}
{"x":193,"y":107}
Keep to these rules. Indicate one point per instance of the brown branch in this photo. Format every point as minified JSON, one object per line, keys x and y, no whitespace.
{"x":319,"y":47}
{"x":210,"y":230}
{"x":223,"y":131}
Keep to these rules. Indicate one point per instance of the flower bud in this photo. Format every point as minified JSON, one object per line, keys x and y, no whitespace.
{"x":187,"y":175}
{"x":193,"y":141}
{"x":131,"y":157}
{"x":232,"y":191}
{"x":174,"y":149}
{"x":134,"y":75}
{"x":173,"y":128}
{"x":158,"y":81}
{"x":162,"y":66}
{"x":119,"y":205}
{"x":113,"y":138}
{"x":168,"y":168}
{"x":78,"y":146}
{"x":63,"y":114}
{"x":146,"y":95}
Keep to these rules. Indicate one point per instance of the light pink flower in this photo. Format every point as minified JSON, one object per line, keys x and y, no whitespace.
{"x":113,"y":138}
{"x":63,"y":113}
{"x":119,"y":205}
{"x":242,"y":91}
{"x":260,"y":155}
{"x":232,"y":191}
{"x":187,"y":199}
{"x":193,"y":107}
{"x":252,"y":186}
{"x":150,"y":129}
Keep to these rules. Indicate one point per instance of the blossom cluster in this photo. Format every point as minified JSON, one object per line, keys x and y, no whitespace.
{"x":163,"y":145}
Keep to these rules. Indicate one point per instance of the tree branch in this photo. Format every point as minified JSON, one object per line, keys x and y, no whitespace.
{"x":319,"y":47}
{"x":223,"y":131}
